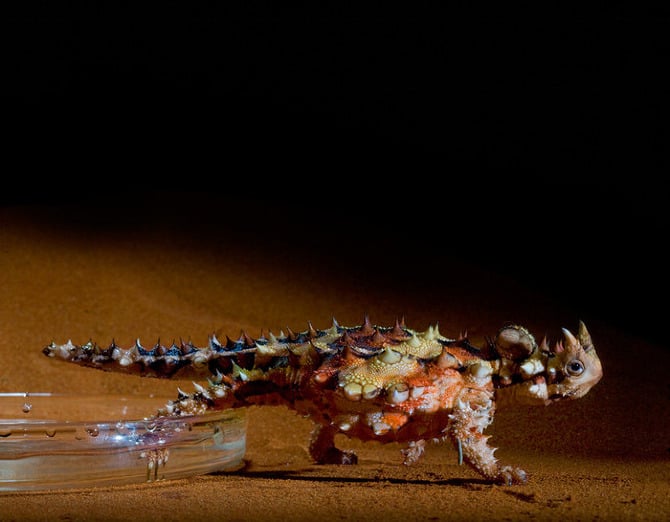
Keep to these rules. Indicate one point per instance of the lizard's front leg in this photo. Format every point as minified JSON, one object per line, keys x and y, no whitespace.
{"x":472,"y":413}
{"x":322,"y":447}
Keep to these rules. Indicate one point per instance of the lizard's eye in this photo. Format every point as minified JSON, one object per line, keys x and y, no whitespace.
{"x":575,"y":367}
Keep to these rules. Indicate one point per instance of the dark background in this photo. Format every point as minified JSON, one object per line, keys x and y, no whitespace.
{"x":239,"y":86}
{"x":468,"y":124}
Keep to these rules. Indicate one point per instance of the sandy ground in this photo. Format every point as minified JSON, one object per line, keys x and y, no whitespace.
{"x":76,"y":275}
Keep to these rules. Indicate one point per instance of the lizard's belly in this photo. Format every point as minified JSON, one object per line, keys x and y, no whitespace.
{"x":404,"y":413}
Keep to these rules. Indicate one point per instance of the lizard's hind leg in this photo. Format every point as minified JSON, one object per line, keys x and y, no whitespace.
{"x":322,"y":448}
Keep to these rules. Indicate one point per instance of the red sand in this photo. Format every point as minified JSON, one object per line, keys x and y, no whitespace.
{"x":604,"y":457}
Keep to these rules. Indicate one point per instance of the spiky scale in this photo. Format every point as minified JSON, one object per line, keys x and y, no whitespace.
{"x":390,"y":384}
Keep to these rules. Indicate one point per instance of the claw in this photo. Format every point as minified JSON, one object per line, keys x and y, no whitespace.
{"x":509,"y":476}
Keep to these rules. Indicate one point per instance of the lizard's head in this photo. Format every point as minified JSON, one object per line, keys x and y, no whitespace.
{"x":573,"y":366}
{"x":535,"y":374}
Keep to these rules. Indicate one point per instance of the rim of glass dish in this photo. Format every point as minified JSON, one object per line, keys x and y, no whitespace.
{"x":128,"y":448}
{"x":109,"y":415}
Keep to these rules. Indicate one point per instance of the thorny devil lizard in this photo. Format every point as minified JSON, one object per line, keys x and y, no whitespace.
{"x":389,"y":384}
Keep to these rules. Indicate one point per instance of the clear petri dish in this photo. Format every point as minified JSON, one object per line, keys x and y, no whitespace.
{"x":54,"y":441}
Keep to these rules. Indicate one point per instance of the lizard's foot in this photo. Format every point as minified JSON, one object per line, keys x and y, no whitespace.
{"x":323,"y":451}
{"x":337,"y":456}
{"x":509,"y":476}
{"x":413,"y":452}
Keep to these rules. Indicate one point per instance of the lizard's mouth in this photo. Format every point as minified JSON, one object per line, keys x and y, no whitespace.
{"x":555,"y":389}
{"x":547,"y":387}
{"x":558,"y":396}
{"x":551,"y":381}
{"x":553,"y":377}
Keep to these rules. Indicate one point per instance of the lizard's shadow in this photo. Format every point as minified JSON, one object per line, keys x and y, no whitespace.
{"x":299,"y":475}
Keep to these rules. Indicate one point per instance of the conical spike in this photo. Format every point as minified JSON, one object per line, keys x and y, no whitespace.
{"x":584,"y":336}
{"x":378,"y":337}
{"x":544,"y":345}
{"x":291,"y":335}
{"x":389,"y":356}
{"x":569,"y":338}
{"x":311,"y":332}
{"x":230,"y":344}
{"x":247,"y":340}
{"x":214,"y":343}
{"x":239,"y":372}
{"x":429,"y":334}
{"x":397,"y":329}
{"x":333,"y":330}
{"x":96,"y":349}
{"x":271,"y":337}
{"x":216,"y":379}
{"x":366,"y":328}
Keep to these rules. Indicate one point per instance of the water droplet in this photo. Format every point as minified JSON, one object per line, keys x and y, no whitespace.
{"x":27,"y":407}
{"x":50,"y":432}
{"x":93,"y":431}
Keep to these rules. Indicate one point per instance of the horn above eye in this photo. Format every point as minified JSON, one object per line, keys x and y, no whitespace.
{"x":570,"y":339}
{"x":584,"y":336}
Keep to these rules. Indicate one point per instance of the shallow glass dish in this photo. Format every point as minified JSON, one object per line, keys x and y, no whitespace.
{"x":53,"y":441}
